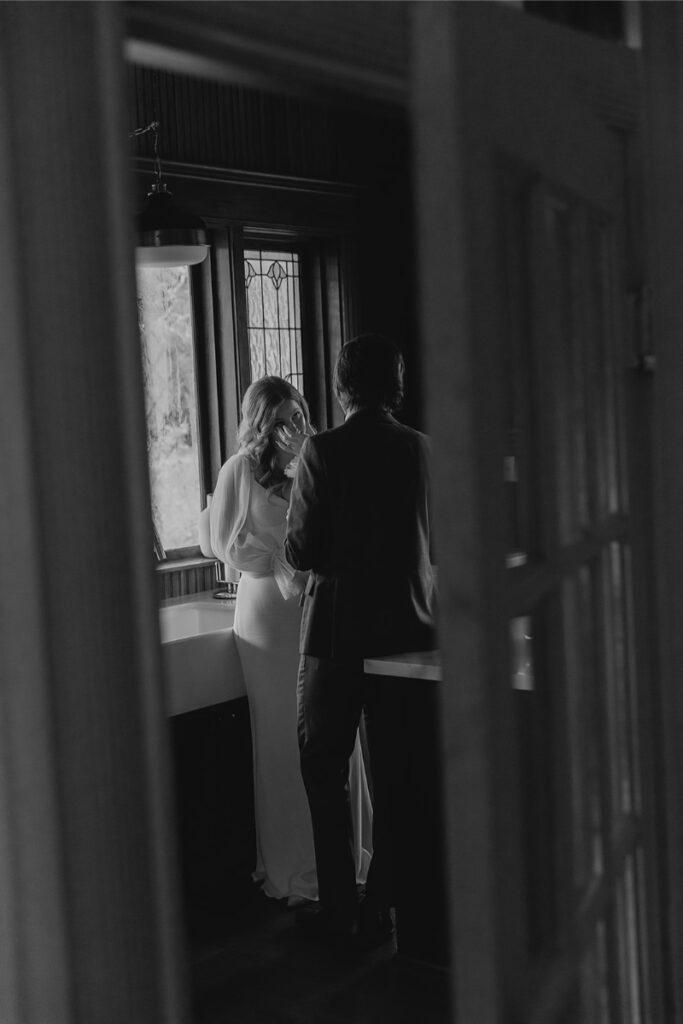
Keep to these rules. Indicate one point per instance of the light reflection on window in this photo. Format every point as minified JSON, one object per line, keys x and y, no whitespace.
{"x":168,"y":362}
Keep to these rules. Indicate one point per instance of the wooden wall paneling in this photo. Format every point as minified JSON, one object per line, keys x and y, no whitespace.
{"x":181,"y":580}
{"x":213,"y":125}
{"x":88,"y":880}
{"x":242,"y":198}
{"x":227,"y":126}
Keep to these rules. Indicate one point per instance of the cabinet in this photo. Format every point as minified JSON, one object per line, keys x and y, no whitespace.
{"x":214,"y":794}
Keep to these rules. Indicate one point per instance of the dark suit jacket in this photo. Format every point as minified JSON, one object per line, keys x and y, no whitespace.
{"x":359,"y":520}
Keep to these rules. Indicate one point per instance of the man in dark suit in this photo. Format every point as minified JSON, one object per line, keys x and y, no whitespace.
{"x":359,"y":520}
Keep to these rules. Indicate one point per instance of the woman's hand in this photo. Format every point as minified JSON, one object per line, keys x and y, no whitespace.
{"x":289,"y":436}
{"x":289,"y":440}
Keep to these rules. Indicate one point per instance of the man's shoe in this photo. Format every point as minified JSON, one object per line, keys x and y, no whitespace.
{"x":375,"y":927}
{"x":317,"y":923}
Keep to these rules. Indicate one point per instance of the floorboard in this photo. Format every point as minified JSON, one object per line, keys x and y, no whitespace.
{"x":255,"y":968}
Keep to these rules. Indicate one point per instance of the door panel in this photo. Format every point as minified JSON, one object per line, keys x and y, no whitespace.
{"x":523,"y":259}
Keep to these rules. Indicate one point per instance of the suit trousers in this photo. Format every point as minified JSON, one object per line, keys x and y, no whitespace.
{"x":332,"y":697}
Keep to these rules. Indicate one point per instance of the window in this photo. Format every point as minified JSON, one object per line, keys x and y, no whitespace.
{"x":259,"y":305}
{"x":169,"y":371}
{"x":274,"y":314}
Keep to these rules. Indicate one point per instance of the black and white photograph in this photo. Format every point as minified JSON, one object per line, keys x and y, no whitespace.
{"x":341,"y":505}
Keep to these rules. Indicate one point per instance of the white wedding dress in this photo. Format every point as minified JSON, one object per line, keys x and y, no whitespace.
{"x":248,"y":525}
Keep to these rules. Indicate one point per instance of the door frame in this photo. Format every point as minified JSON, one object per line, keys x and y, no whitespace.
{"x":176,"y":43}
{"x":662,"y":29}
{"x":606,"y":85}
{"x":40,"y":970}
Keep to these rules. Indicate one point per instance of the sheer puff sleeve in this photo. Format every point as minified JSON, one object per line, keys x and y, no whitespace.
{"x":232,"y":540}
{"x":228,"y":514}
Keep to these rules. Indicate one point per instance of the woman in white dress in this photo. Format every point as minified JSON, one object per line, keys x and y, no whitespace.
{"x":248,"y":518}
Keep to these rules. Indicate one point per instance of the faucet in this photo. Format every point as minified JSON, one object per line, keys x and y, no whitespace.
{"x":228,"y":591}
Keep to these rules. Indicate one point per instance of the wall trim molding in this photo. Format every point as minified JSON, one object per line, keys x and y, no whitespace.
{"x":255,"y":179}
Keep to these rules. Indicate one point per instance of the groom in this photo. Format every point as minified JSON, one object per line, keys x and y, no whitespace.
{"x":359,"y":520}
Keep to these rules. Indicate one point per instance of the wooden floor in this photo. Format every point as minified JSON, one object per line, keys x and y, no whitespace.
{"x":257,"y":969}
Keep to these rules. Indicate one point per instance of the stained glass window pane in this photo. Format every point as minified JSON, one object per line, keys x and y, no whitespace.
{"x":274,"y":314}
{"x":166,"y":334}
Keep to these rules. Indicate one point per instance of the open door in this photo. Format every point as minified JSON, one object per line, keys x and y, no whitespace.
{"x":525,"y":141}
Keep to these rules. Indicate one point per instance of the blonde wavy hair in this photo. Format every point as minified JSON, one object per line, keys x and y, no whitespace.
{"x":255,"y":436}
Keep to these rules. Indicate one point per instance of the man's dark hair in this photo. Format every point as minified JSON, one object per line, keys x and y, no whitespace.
{"x":369,"y":372}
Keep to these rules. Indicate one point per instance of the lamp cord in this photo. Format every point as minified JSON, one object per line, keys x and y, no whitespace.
{"x":153,"y":126}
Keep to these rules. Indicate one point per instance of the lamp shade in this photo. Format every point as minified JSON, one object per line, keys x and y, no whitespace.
{"x":166,"y":235}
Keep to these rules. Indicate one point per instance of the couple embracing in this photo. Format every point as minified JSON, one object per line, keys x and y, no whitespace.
{"x":331,"y":533}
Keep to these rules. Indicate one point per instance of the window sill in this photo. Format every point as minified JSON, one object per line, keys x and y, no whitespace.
{"x":174,"y":564}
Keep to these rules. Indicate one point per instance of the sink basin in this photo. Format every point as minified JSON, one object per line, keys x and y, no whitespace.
{"x":201,"y":664}
{"x":193,"y":617}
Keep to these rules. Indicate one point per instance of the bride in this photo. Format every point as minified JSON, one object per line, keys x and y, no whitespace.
{"x":248,"y":517}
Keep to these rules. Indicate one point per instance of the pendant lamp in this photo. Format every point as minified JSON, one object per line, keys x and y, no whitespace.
{"x":167,"y":236}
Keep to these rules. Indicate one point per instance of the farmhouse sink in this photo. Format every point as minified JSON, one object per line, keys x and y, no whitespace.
{"x":201,"y":664}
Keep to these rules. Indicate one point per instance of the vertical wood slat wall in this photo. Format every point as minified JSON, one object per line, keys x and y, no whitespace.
{"x":211,"y":124}
{"x":182,"y":580}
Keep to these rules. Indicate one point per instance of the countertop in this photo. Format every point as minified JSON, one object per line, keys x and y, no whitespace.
{"x":416,"y":665}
